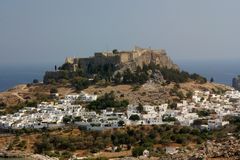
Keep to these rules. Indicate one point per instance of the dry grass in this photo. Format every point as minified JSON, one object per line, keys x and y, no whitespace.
{"x":150,"y":93}
{"x":114,"y":154}
{"x":22,"y":92}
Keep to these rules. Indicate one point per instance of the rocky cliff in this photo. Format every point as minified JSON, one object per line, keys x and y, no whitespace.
{"x":141,"y":56}
{"x":146,"y":56}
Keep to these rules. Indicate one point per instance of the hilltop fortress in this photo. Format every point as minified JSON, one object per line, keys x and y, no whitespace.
{"x":124,"y":59}
{"x":120,"y":60}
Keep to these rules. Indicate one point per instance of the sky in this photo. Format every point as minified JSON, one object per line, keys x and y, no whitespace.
{"x":47,"y":31}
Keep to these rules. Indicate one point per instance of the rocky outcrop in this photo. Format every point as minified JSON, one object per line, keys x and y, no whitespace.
{"x":227,"y":148}
{"x":146,"y":56}
{"x":125,"y":59}
{"x":118,"y":61}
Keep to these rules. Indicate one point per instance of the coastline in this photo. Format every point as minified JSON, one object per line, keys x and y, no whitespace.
{"x":12,"y":76}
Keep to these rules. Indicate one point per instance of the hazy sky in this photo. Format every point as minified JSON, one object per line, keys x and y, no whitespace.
{"x":46,"y":31}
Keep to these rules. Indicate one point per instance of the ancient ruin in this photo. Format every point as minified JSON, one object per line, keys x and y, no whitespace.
{"x":125,"y":59}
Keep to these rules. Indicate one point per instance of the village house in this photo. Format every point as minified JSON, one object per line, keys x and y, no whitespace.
{"x":51,"y":114}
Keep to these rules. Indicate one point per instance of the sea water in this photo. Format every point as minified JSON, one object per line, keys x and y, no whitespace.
{"x":10,"y":76}
{"x":222,"y":71}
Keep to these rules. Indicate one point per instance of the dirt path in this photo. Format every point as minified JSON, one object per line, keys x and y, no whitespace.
{"x":17,"y":95}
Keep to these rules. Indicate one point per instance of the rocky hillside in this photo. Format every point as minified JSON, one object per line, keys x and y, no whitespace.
{"x":149,"y":93}
{"x":23,"y":92}
{"x":153,"y":93}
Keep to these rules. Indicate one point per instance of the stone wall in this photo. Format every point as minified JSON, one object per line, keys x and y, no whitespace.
{"x":137,"y":57}
{"x":121,"y":60}
{"x":124,"y":57}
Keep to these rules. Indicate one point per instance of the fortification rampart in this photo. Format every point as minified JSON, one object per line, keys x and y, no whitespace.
{"x":136,"y":57}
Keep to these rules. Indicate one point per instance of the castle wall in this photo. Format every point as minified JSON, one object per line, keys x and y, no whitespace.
{"x":143,"y":59}
{"x":122,"y":60}
{"x":136,"y":54}
{"x":124,"y":57}
{"x":99,"y":59}
{"x":137,"y":57}
{"x":85,"y":61}
{"x":106,"y":60}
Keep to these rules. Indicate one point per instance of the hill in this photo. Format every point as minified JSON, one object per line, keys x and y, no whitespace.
{"x":142,"y":80}
{"x":140,"y":75}
{"x":17,"y":96}
{"x":149,"y":93}
{"x":153,"y":93}
{"x":105,"y":65}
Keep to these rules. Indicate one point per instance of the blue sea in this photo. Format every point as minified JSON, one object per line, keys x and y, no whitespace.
{"x":221,"y":71}
{"x":10,"y":76}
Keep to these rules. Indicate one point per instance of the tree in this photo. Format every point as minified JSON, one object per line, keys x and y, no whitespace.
{"x":80,"y":83}
{"x":127,"y":76}
{"x":66,"y":66}
{"x":66,"y":154}
{"x":115,"y":51}
{"x":181,"y":139}
{"x":142,"y":78}
{"x":212,"y":80}
{"x":2,"y":105}
{"x":121,"y":123}
{"x":108,"y":100}
{"x":43,"y":146}
{"x":134,"y":117}
{"x":173,"y":75}
{"x":137,"y":151}
{"x":35,"y":81}
{"x":117,"y":78}
{"x":203,"y":113}
{"x":180,"y":94}
{"x":197,"y":122}
{"x":53,"y":90}
{"x":189,"y":94}
{"x":195,"y":131}
{"x":145,"y":68}
{"x":67,"y":119}
{"x":138,"y":70}
{"x":173,"y":105}
{"x":140,"y":108}
{"x":198,"y":78}
{"x":185,"y":130}
{"x":167,"y":118}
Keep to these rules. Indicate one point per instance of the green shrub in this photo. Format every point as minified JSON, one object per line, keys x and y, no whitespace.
{"x":137,"y":151}
{"x":203,"y":113}
{"x":108,"y":101}
{"x":134,"y":117}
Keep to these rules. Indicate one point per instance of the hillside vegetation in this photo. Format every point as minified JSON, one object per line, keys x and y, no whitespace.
{"x":149,"y":92}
